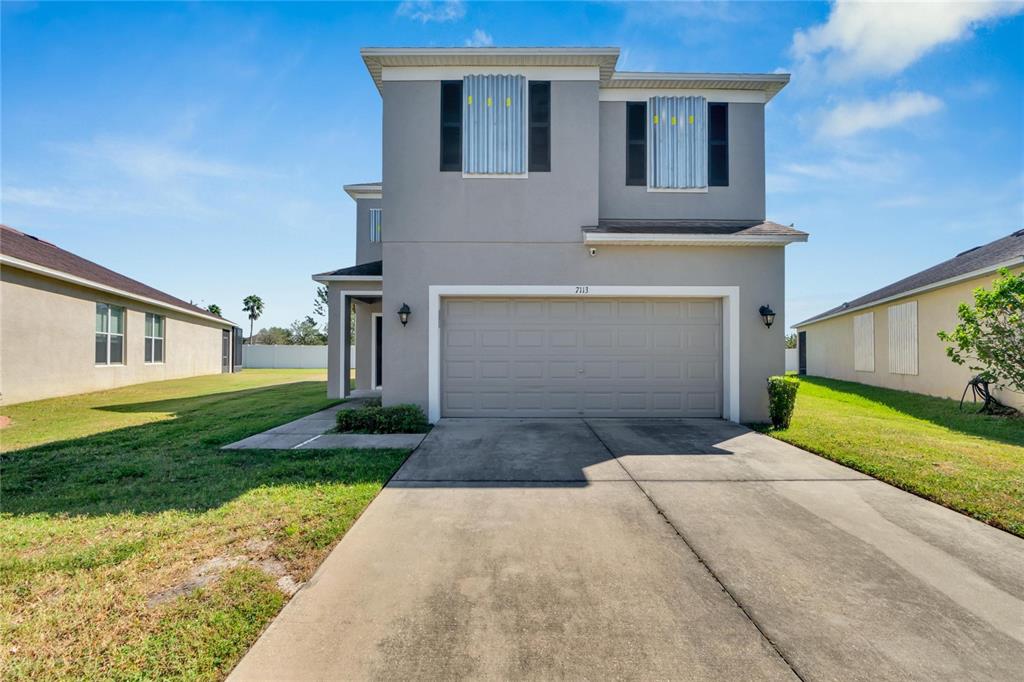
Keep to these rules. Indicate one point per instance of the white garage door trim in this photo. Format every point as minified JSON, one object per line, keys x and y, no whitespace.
{"x":730,"y":296}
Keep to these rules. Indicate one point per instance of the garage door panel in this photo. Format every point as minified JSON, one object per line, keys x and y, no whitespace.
{"x":544,"y":357}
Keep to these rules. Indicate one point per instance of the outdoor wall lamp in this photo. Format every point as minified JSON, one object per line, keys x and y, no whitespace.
{"x":403,"y":314}
{"x":767,"y":315}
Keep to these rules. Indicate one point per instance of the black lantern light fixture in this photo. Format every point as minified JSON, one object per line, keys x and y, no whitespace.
{"x":767,"y":315}
{"x":403,"y":314}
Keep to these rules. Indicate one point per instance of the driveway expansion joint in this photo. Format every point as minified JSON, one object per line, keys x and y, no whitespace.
{"x":735,"y":600}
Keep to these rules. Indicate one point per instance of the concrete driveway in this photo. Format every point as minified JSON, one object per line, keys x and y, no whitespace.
{"x":648,"y":549}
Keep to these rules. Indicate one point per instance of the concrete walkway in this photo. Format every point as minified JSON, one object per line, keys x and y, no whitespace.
{"x":643,"y":549}
{"x":311,"y":433}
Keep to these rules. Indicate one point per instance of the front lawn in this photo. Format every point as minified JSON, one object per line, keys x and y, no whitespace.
{"x":968,"y":462}
{"x":131,"y":546}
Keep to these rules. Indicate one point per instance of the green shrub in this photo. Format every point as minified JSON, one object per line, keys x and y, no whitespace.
{"x":376,"y":419}
{"x":782,"y":399}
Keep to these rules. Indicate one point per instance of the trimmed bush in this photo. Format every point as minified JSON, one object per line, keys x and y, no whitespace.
{"x":782,"y":399}
{"x":377,"y":419}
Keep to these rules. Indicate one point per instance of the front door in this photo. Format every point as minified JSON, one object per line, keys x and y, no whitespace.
{"x":378,"y":374}
{"x":801,"y":342}
{"x":225,"y":352}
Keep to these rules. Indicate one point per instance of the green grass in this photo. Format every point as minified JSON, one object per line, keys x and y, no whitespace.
{"x":114,"y":503}
{"x":968,"y":462}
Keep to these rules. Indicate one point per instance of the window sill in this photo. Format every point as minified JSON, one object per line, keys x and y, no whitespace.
{"x":153,"y":363}
{"x":680,"y":190}
{"x":487,"y":176}
{"x":110,"y":364}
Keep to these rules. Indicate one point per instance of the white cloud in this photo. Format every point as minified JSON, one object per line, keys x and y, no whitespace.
{"x":848,"y":119}
{"x":425,"y":11}
{"x":883,"y":38}
{"x":154,"y":161}
{"x":480,"y":38}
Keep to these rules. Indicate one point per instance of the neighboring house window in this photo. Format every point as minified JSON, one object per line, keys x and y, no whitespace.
{"x":636,"y":143}
{"x":864,"y":342}
{"x":109,"y":334}
{"x":451,"y":126}
{"x":494,"y":125}
{"x":540,"y":126}
{"x":154,"y":338}
{"x":677,"y":156}
{"x":903,"y":338}
{"x":374,"y":224}
{"x":718,"y":144}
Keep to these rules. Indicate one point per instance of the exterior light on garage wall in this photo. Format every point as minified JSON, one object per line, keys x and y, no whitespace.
{"x":403,"y":314}
{"x":767,"y":315}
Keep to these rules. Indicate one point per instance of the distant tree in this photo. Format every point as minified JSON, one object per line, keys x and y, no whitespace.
{"x":790,"y":340}
{"x":253,"y":306}
{"x":305,"y":332}
{"x":320,"y":306}
{"x":274,"y":336}
{"x":215,"y":309}
{"x":990,"y":336}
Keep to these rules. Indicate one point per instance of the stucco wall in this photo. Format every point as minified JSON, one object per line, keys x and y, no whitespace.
{"x":47,"y":341}
{"x":366,"y":251}
{"x":830,"y":346}
{"x":743,"y":199}
{"x":412,"y":268}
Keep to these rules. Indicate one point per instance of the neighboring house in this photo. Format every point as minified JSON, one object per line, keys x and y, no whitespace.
{"x":567,"y":240}
{"x":889,"y":337}
{"x":68,"y":325}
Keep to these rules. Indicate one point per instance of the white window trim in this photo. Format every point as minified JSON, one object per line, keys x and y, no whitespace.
{"x":123,"y":335}
{"x":730,"y":296}
{"x":679,"y":190}
{"x":373,"y":349}
{"x":146,"y":339}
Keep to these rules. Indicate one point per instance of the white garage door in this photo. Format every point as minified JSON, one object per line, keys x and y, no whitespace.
{"x":599,"y":357}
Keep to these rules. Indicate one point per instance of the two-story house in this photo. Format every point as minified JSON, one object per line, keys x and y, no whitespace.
{"x":555,"y":238}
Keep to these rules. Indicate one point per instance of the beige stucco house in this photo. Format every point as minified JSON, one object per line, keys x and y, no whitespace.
{"x":889,"y":337}
{"x":68,"y":325}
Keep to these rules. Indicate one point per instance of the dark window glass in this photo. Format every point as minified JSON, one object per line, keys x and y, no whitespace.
{"x":116,"y":349}
{"x":149,"y":350}
{"x":451,"y":125}
{"x":101,"y":349}
{"x":540,"y":127}
{"x":158,"y":350}
{"x":636,"y":143}
{"x":718,"y":144}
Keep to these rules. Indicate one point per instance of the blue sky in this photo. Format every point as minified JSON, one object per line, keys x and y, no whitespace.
{"x":202,"y":147}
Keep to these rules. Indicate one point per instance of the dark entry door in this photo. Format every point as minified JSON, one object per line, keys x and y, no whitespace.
{"x":225,"y":352}
{"x":378,"y":327}
{"x":801,"y":342}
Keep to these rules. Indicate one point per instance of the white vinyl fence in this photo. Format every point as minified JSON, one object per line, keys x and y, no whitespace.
{"x":792,"y":359}
{"x":260,"y":356}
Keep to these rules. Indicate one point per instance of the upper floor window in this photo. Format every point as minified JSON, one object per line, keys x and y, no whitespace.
{"x":374,"y":224}
{"x":677,"y":143}
{"x":451,"y":125}
{"x":718,"y":144}
{"x":636,"y":143}
{"x":109,"y":334}
{"x":494,"y":125}
{"x":154,"y":339}
{"x":540,"y":126}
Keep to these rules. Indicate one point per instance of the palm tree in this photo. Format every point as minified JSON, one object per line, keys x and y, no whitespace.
{"x":253,"y":305}
{"x":214,"y":309}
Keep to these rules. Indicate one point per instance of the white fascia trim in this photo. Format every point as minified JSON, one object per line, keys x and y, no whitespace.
{"x":447,"y":73}
{"x":730,"y":296}
{"x":920,"y":290}
{"x":626,"y":239}
{"x":358,"y":194}
{"x":348,"y":278}
{"x":81,"y":281}
{"x":643,"y":94}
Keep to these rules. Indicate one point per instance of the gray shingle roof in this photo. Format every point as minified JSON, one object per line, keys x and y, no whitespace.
{"x":1009,"y":249}
{"x":730,"y":227}
{"x":371,"y":269}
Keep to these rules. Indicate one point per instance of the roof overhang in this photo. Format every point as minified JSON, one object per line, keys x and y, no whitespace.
{"x":365,"y":190}
{"x":987,"y":270}
{"x":81,"y":281}
{"x":377,"y":58}
{"x":767,"y":83}
{"x":348,"y":278}
{"x":657,"y":239}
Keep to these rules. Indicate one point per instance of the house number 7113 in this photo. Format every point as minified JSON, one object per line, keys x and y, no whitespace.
{"x":582,"y":290}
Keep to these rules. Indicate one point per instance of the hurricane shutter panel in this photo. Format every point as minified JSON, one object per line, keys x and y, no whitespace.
{"x":374,"y":224}
{"x":903,"y":338}
{"x":678,"y":150}
{"x":494,"y":125}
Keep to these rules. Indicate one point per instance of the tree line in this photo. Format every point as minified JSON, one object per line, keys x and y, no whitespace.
{"x":302,"y":332}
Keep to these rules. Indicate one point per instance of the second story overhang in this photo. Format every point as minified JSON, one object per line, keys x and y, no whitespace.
{"x":691,"y":233}
{"x":364,"y":190}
